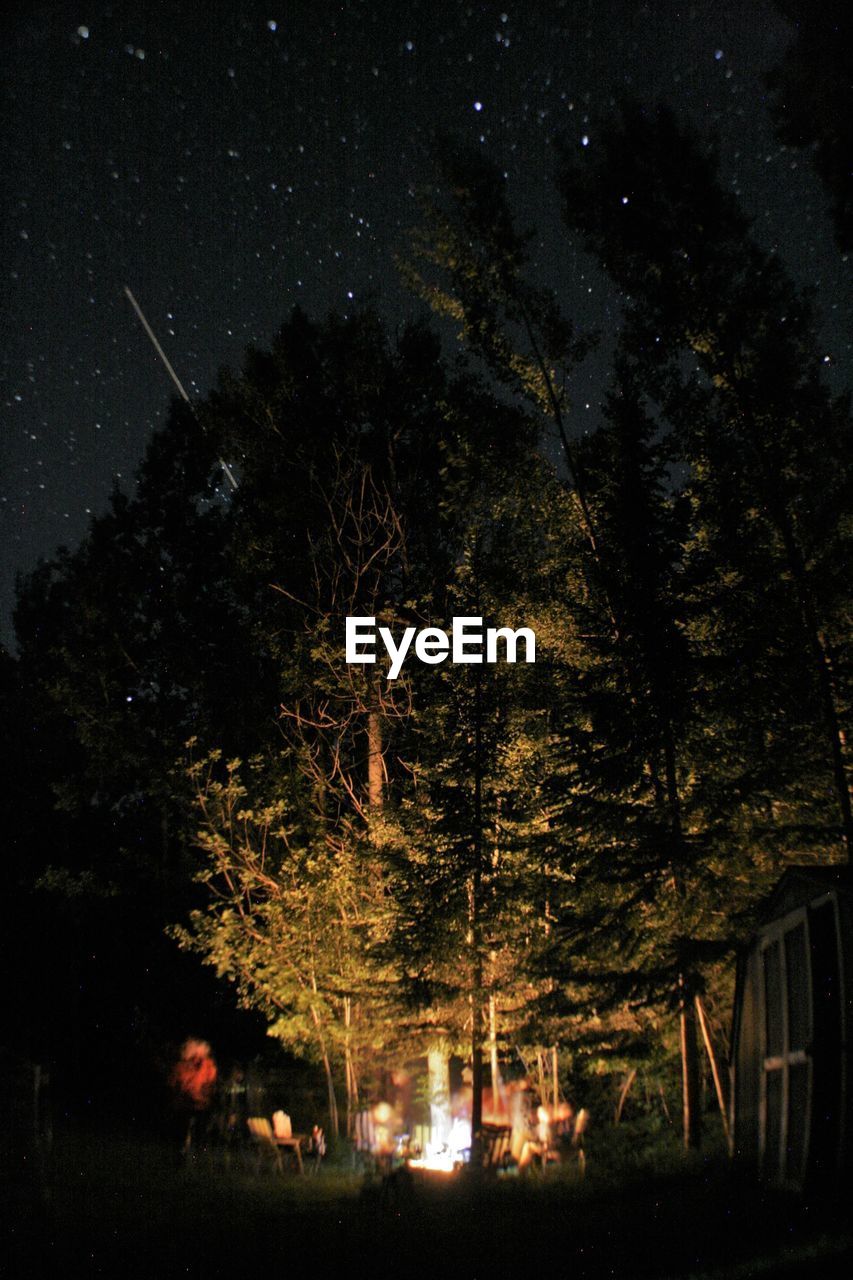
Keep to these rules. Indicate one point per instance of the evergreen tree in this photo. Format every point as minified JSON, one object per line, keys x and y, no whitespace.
{"x":651,"y":850}
{"x":674,"y":781}
{"x":473,"y":244}
{"x":465,"y":842}
{"x":768,"y":447}
{"x":127,"y":646}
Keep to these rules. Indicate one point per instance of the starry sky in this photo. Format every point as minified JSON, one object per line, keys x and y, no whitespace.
{"x":227,"y":161}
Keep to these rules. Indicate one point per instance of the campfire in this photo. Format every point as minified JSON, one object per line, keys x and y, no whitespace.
{"x":446,"y":1157}
{"x":514,"y":1132}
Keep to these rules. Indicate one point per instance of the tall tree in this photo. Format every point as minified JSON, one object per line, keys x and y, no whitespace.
{"x":127,"y":646}
{"x":649,"y":567}
{"x":634,"y":797}
{"x":465,"y":841}
{"x":522,"y":335}
{"x":297,"y":896}
{"x":356,"y":509}
{"x":767,"y":443}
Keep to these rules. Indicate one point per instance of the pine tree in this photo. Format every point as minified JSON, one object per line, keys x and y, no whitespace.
{"x":767,"y":445}
{"x":127,"y":646}
{"x":666,"y":770}
{"x":640,"y":927}
{"x":465,"y":842}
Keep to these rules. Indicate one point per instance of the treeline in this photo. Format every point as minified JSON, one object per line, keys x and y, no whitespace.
{"x":469,"y":858}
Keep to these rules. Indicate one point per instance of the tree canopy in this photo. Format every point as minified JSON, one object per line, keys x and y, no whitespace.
{"x":564,"y":852}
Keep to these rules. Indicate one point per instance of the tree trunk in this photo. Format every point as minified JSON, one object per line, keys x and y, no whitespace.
{"x":351,"y":1077}
{"x":327,"y":1067}
{"x":497,"y":1083}
{"x":438,"y":1067}
{"x":476,"y":1078}
{"x":690,"y":1072}
{"x":555,"y":1078}
{"x":375,"y":762}
{"x":690,"y":1075}
{"x":334,"y":1123}
{"x":474,"y":935}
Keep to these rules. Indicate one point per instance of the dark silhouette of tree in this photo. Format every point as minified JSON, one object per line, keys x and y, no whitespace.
{"x":812,"y":102}
{"x":762,"y":434}
{"x":358,"y":463}
{"x":126,"y":647}
{"x":703,"y":524}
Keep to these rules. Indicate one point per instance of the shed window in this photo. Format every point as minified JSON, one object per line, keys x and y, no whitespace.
{"x":787,"y":1028}
{"x":796,"y":980}
{"x":773,"y":1001}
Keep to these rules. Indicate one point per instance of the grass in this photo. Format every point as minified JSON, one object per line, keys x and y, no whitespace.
{"x":106,"y":1205}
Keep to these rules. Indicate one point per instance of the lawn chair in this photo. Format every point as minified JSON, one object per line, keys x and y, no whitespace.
{"x":264,"y":1140}
{"x":496,"y":1145}
{"x":285,"y":1139}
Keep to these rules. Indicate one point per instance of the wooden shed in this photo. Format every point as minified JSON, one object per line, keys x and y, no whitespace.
{"x":792,"y":1089}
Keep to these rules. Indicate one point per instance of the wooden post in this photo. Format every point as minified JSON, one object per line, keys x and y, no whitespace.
{"x":555,"y":1077}
{"x":623,"y":1093}
{"x":715,"y":1071}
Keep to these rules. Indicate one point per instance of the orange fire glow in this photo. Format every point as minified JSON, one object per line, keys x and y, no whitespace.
{"x":193,"y":1076}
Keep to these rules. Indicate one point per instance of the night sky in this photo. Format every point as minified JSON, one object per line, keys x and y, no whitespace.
{"x":227,"y":162}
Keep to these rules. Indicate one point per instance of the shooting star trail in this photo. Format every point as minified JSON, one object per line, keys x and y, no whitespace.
{"x":171,"y":372}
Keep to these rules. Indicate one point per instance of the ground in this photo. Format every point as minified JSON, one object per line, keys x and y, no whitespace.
{"x":101,"y":1205}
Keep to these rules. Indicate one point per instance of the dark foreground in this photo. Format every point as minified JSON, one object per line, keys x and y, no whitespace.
{"x":106,"y":1207}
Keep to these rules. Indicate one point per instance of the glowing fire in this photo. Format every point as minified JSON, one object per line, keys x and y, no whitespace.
{"x":447,"y":1156}
{"x":435,"y":1161}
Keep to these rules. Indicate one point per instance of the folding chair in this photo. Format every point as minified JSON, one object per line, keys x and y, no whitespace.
{"x":264,"y":1140}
